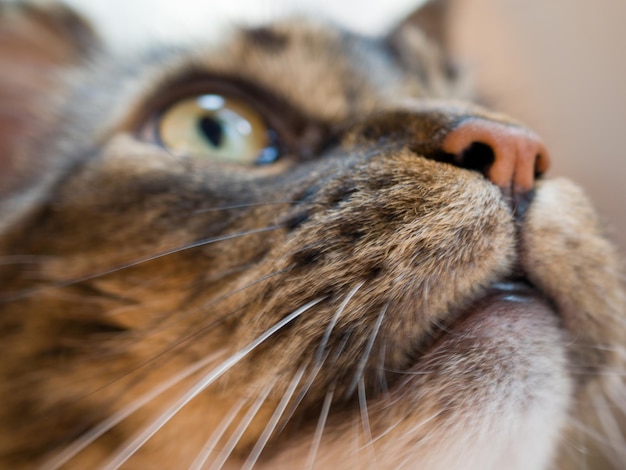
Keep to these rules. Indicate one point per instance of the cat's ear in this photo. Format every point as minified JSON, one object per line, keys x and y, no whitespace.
{"x":37,"y":40}
{"x":48,"y":33}
{"x":422,"y":42}
{"x":431,"y":19}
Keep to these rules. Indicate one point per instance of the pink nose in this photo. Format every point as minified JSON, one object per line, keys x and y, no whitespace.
{"x":519,"y":155}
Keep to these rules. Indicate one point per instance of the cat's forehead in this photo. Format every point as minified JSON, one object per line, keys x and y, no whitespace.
{"x":317,"y":67}
{"x":186,"y":19}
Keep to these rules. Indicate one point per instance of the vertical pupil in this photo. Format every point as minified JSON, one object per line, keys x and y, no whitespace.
{"x":212,"y":129}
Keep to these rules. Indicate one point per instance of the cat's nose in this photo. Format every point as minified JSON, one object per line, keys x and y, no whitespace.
{"x":510,"y":155}
{"x":468,"y":136}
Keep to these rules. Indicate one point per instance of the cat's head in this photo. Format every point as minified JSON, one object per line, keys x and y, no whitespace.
{"x":292,"y":246}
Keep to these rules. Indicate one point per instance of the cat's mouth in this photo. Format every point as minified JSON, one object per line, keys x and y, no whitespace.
{"x":505,"y":349}
{"x":507,"y":317}
{"x":503,"y":298}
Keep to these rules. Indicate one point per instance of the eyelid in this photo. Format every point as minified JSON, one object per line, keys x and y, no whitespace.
{"x":176,"y":91}
{"x":299,"y":135}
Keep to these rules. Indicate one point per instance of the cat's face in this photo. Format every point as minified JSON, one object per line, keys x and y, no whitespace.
{"x":261,"y":252}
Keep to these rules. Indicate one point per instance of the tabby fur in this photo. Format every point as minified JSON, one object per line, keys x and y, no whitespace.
{"x":123,"y":265}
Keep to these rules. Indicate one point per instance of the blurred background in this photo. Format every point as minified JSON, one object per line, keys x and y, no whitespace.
{"x":557,"y":65}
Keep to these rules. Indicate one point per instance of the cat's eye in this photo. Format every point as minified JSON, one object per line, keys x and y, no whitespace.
{"x":217,"y":127}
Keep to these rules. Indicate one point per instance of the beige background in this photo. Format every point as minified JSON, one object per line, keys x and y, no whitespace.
{"x":558,"y":65}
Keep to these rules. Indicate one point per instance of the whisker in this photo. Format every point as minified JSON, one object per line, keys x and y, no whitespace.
{"x":183,"y":316}
{"x":246,"y":206}
{"x":319,"y":430}
{"x":208,"y":448}
{"x":339,"y":349}
{"x":612,"y":348}
{"x":423,"y":441}
{"x":312,"y":376}
{"x":602,"y":347}
{"x":90,"y":436}
{"x":180,"y":342}
{"x":410,"y":373}
{"x":129,"y":449}
{"x":20,"y":295}
{"x":426,"y":421}
{"x":320,"y":357}
{"x":611,"y":429}
{"x":387,"y":431}
{"x":300,"y":396}
{"x":368,"y":349}
{"x":617,"y":398}
{"x":271,"y":425}
{"x":242,"y":428}
{"x":576,"y":449}
{"x":596,"y":372}
{"x":179,"y":157}
{"x":584,"y":429}
{"x":600,"y":439}
{"x":334,"y":320}
{"x":356,"y":444}
{"x":365,"y":422}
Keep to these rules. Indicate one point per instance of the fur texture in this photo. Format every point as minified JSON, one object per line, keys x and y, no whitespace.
{"x":341,"y":307}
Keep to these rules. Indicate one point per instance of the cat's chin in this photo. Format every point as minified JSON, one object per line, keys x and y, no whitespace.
{"x":499,"y":376}
{"x":513,"y":296}
{"x":492,"y":391}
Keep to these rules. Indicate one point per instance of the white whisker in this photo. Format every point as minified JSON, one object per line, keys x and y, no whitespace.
{"x":619,"y":399}
{"x":365,"y":422}
{"x":97,"y":431}
{"x":179,"y":317}
{"x":425,"y":421}
{"x":222,"y":457}
{"x":135,"y":444}
{"x":187,"y":339}
{"x":388,"y":430}
{"x":409,"y":460}
{"x":333,"y":322}
{"x":11,"y":297}
{"x":246,"y":206}
{"x":356,"y":443}
{"x":320,"y":356}
{"x":319,"y":430}
{"x":366,"y":354}
{"x":208,"y":448}
{"x":339,"y":349}
{"x":271,"y":425}
{"x":576,"y":449}
{"x":612,"y":431}
{"x":589,"y":431}
{"x":594,"y":372}
{"x":301,"y":394}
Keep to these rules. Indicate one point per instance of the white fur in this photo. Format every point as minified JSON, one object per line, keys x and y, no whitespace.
{"x":178,"y":20}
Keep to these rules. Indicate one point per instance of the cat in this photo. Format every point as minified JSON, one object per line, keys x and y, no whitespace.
{"x":294,"y":247}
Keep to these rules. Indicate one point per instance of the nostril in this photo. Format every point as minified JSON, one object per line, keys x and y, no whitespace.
{"x":509,"y":155}
{"x":477,"y":156}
